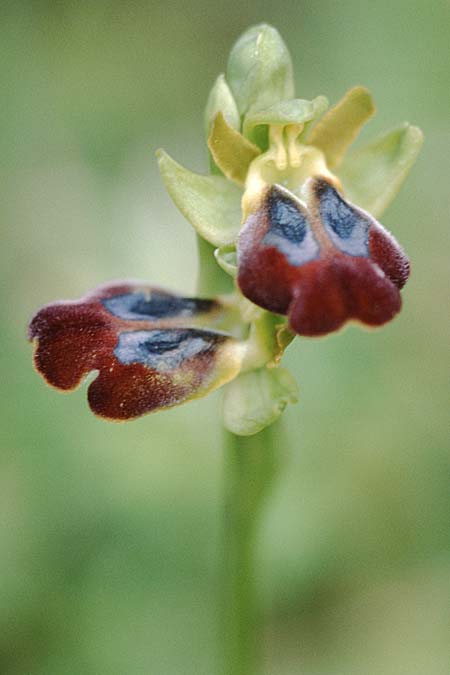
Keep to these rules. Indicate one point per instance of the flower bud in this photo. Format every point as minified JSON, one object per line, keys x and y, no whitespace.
{"x":260,"y":69}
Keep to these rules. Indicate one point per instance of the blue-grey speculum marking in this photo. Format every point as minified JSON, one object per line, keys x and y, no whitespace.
{"x":289,"y":231}
{"x":286,"y":220}
{"x":347,"y":227}
{"x":164,"y":349}
{"x":138,"y":307}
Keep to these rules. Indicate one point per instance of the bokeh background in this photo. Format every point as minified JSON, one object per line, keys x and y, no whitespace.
{"x":110,"y":534}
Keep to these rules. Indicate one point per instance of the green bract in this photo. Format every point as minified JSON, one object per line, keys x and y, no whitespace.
{"x":256,"y":399}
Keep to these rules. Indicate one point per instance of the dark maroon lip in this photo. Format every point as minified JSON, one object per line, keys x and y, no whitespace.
{"x":323,"y":265}
{"x":139,"y":339}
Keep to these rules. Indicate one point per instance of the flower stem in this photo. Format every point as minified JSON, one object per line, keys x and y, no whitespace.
{"x":251,"y":466}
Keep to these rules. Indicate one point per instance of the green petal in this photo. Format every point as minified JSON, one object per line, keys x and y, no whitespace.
{"x":211,"y":203}
{"x":221,"y":99}
{"x":342,"y":124}
{"x":256,"y":399}
{"x":232,"y":153}
{"x":260,"y":69}
{"x":292,"y":111}
{"x":373,"y":175}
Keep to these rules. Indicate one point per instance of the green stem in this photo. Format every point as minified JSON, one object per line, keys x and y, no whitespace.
{"x":251,"y":466}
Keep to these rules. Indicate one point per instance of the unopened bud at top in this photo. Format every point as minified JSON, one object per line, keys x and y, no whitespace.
{"x":260,"y":69}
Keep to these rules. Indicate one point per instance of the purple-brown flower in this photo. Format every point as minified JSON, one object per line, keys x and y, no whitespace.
{"x":322,"y":263}
{"x":147,"y":345}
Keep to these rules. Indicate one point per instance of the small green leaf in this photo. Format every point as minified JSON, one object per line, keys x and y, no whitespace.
{"x":342,"y":124}
{"x":254,"y":400}
{"x":232,"y":153}
{"x":210,"y":203}
{"x":260,"y":69}
{"x":221,"y":99}
{"x":227,"y":259}
{"x":372,"y":176}
{"x":292,"y":111}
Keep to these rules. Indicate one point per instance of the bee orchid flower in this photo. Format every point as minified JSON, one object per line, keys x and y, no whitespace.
{"x":292,"y":216}
{"x":150,"y":348}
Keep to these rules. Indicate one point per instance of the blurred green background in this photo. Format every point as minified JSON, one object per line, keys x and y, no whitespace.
{"x":110,"y":534}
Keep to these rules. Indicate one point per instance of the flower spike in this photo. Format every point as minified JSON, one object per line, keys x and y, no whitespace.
{"x":147,"y":345}
{"x":330,"y":261}
{"x":284,"y":212}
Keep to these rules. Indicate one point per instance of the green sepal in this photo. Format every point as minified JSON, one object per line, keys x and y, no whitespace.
{"x":341,"y":125}
{"x":259,"y":69}
{"x":292,"y":111}
{"x":256,"y":399}
{"x":372,"y":175}
{"x":221,"y":99}
{"x":226,"y":258}
{"x":231,"y":152}
{"x":210,"y":203}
